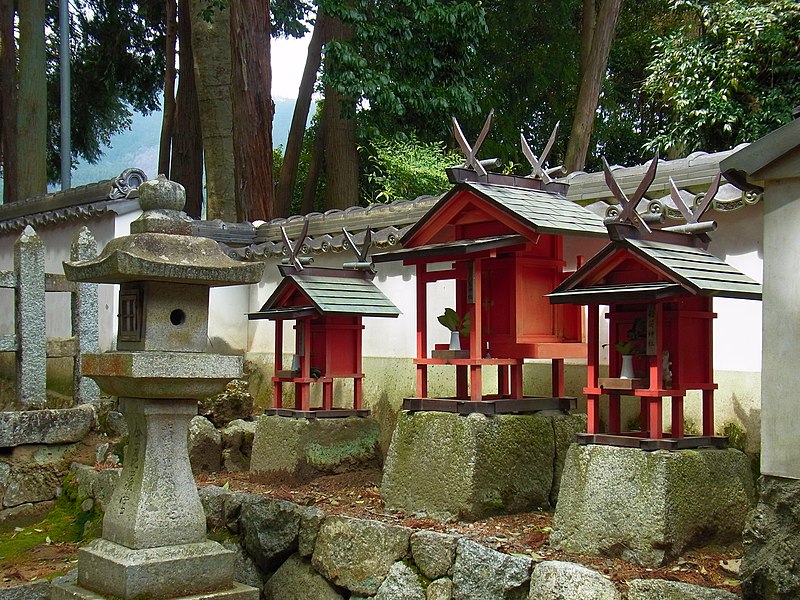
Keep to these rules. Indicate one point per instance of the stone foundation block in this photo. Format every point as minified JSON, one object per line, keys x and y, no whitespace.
{"x":301,"y":450}
{"x":771,"y":563}
{"x":165,"y":572}
{"x":454,"y":467}
{"x":648,"y":507}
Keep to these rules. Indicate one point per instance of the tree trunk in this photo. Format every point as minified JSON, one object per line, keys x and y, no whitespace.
{"x":588,"y":22}
{"x":314,"y":167}
{"x":341,"y":154}
{"x":8,"y":101}
{"x":294,"y":144}
{"x":211,"y":44}
{"x":251,"y":95}
{"x":168,"y":117}
{"x":32,"y":101}
{"x":187,"y":143}
{"x":589,"y":94}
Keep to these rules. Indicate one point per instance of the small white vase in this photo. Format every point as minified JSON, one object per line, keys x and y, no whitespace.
{"x":455,"y":341}
{"x":627,"y":367}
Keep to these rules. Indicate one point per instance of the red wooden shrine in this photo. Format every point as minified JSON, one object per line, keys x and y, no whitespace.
{"x":327,"y":306}
{"x":658,"y":286}
{"x":504,"y":243}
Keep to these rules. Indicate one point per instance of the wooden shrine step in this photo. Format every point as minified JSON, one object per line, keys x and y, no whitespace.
{"x":637,"y":440}
{"x":500,"y":406}
{"x":336,"y":413}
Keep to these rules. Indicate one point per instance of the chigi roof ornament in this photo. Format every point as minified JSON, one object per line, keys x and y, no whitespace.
{"x":539,"y":172}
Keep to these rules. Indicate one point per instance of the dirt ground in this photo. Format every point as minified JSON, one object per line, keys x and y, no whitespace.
{"x":358,"y":495}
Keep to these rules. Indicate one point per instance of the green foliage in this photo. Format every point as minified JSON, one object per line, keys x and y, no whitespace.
{"x":405,"y":169}
{"x":405,"y":67}
{"x":454,"y":322}
{"x":528,"y":70}
{"x":117,"y":66}
{"x":736,"y":434}
{"x":729,"y":74}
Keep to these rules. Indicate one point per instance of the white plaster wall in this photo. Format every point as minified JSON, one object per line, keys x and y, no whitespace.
{"x":781,"y":375}
{"x":58,"y":239}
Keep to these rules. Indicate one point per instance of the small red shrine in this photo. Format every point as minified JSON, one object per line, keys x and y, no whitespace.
{"x":327,"y":306}
{"x":503,"y":239}
{"x":658,"y":285}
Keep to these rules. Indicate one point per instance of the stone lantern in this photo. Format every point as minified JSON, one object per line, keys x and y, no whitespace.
{"x":154,"y":531}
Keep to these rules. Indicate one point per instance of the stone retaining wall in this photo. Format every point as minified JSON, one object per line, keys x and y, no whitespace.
{"x":293,"y":552}
{"x":40,"y":445}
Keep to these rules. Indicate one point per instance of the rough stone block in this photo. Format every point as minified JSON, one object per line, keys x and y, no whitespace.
{"x":648,"y":507}
{"x":301,"y":449}
{"x":557,"y":580}
{"x":297,"y":580}
{"x":450,"y":466}
{"x":51,"y":426}
{"x":771,"y":564}
{"x":37,"y":590}
{"x":660,"y":589}
{"x":270,"y":530}
{"x":95,"y":484}
{"x":358,"y":554}
{"x":310,"y":523}
{"x":401,"y":584}
{"x":440,"y":589}
{"x":113,"y":570}
{"x":433,"y":553}
{"x":205,"y":446}
{"x":481,"y":572}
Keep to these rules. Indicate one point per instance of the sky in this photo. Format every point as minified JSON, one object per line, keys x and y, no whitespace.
{"x":288,"y":60}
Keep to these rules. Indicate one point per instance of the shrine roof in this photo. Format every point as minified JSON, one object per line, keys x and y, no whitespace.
{"x":458,"y":248}
{"x":539,"y":210}
{"x":336,"y":293}
{"x":692,"y":270}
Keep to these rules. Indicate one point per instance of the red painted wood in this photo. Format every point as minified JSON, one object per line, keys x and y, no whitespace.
{"x":708,"y":412}
{"x":516,"y":382}
{"x":278,"y":345}
{"x":277,"y":394}
{"x":677,"y":417}
{"x":614,"y":414}
{"x":557,"y":377}
{"x":475,"y":383}
{"x":593,"y":413}
{"x":593,"y":345}
{"x":655,"y":425}
{"x":503,"y":383}
{"x":358,"y":387}
{"x":327,"y":396}
{"x":422,"y":333}
{"x":462,"y":382}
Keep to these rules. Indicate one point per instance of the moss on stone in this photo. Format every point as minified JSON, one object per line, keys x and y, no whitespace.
{"x":67,"y":522}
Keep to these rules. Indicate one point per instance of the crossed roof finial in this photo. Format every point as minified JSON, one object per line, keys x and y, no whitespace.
{"x":293,"y":249}
{"x":693,"y":216}
{"x":471,"y":152}
{"x":362,"y":254}
{"x":537,"y":164}
{"x":628,"y":213}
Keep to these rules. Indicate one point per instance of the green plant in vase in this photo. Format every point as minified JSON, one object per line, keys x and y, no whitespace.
{"x":631,"y":347}
{"x":457,"y":324}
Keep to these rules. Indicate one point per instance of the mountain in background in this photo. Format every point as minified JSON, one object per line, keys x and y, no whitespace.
{"x":138,"y":147}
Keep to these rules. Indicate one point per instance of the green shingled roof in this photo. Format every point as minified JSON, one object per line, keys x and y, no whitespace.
{"x":546,"y":212}
{"x":698,"y":268}
{"x":337,"y":295}
{"x":694,"y":270}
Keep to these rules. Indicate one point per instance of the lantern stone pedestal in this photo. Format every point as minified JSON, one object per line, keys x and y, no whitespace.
{"x":154,"y":544}
{"x":648,"y":507}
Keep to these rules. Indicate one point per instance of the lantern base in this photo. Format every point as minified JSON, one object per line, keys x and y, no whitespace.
{"x":201,"y":570}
